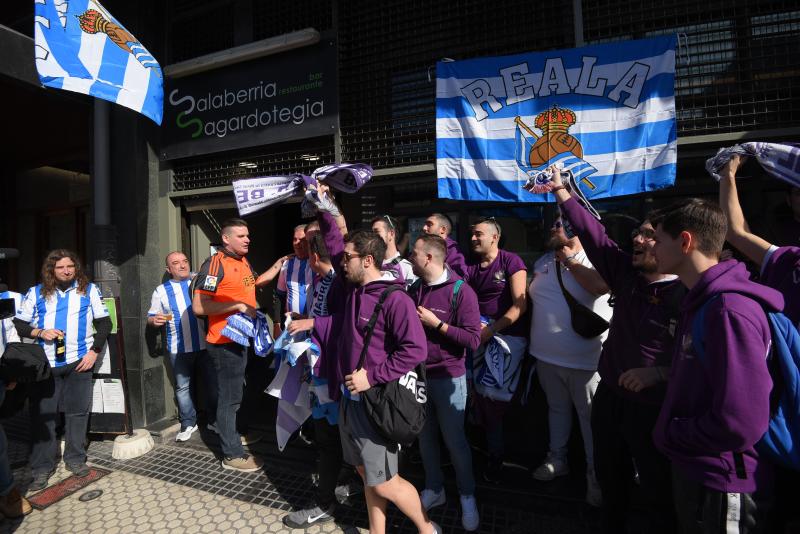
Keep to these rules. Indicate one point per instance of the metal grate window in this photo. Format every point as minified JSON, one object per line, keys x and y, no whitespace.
{"x":196,"y":31}
{"x":734,"y":70}
{"x":273,"y":160}
{"x":388,"y":52}
{"x":276,"y":18}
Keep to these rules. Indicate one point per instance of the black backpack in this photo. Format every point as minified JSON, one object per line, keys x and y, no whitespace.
{"x":24,"y":362}
{"x":397,"y":409}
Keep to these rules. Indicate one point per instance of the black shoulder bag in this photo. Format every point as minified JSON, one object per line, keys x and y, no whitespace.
{"x":397,"y":409}
{"x":585,"y":322}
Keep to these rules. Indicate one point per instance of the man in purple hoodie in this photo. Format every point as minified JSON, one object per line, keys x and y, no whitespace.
{"x":439,"y":224}
{"x":448,"y":309}
{"x":397,"y":345}
{"x":633,"y":367}
{"x":717,"y":402}
{"x":779,"y":269}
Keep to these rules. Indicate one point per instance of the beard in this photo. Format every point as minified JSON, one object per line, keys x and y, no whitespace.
{"x":555,"y":242}
{"x":646,"y":264}
{"x":355,"y":275}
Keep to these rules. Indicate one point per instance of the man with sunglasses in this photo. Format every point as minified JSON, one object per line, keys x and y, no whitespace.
{"x":397,"y":346}
{"x":386,"y":227}
{"x":566,"y":361}
{"x":634,"y":365}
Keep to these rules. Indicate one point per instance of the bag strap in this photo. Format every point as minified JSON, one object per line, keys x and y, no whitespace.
{"x":415,"y":285}
{"x":371,"y":323}
{"x":571,"y":301}
{"x":454,"y":298}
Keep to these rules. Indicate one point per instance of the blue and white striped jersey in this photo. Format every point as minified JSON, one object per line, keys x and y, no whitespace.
{"x":185,"y":333}
{"x":294,"y":283}
{"x":69,"y":311}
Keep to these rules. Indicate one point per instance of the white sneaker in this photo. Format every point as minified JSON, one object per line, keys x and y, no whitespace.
{"x":184,"y":435}
{"x":469,"y":513}
{"x":594,"y":497}
{"x":431,"y":499}
{"x":552,"y":467}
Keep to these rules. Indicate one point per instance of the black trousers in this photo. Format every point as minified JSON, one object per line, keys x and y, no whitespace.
{"x":329,"y":462}
{"x":622,"y":435}
{"x":706,"y":511}
{"x":67,"y":391}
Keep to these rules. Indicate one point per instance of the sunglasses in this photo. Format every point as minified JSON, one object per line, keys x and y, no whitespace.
{"x":388,"y":221}
{"x":348,"y":256}
{"x":646,"y":233}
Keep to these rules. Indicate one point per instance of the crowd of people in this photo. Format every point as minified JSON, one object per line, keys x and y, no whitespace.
{"x":613,"y":335}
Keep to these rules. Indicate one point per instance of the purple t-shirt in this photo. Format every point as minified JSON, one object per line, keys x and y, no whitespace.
{"x":493,"y":287}
{"x":781,"y":271}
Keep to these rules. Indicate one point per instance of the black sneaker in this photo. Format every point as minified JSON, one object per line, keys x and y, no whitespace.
{"x":79,"y":469}
{"x":39,"y":481}
{"x":308,"y":516}
{"x":493,"y":473}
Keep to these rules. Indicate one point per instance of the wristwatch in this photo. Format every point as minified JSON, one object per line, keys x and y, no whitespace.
{"x":96,"y":350}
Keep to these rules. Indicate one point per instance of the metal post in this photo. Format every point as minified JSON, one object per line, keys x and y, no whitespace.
{"x":577,"y":22}
{"x":106,"y":274}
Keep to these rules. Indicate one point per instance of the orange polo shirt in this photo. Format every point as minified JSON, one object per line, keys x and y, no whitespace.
{"x":227,"y":278}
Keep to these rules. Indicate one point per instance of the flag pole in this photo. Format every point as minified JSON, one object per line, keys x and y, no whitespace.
{"x":525,"y":127}
{"x":106,"y":273}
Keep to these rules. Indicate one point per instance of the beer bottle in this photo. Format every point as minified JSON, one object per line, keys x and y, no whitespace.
{"x":61,"y":349}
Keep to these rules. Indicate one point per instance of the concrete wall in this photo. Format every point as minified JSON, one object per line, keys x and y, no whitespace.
{"x":146,"y":223}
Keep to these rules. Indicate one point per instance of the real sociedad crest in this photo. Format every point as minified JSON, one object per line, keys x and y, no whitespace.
{"x":555,"y":146}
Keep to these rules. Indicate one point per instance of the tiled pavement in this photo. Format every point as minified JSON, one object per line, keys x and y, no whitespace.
{"x":182,"y":488}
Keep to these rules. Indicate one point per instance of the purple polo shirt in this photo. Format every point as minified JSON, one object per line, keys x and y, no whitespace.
{"x":492,"y":284}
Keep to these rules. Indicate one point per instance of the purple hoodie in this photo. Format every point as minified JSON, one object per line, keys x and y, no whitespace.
{"x":645,"y":314}
{"x":455,"y":259}
{"x":446,"y":351}
{"x":720,"y":404}
{"x":398,"y":341}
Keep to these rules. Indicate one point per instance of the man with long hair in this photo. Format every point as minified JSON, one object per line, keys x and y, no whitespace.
{"x":60,"y":313}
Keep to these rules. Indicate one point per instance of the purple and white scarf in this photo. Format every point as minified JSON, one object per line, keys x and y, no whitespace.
{"x":780,"y":160}
{"x":255,"y":194}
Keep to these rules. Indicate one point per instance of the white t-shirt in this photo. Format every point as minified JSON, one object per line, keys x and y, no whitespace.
{"x":552,"y":338}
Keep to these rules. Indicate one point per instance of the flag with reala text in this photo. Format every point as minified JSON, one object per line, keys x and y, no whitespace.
{"x":81,"y":47}
{"x":605,"y":112}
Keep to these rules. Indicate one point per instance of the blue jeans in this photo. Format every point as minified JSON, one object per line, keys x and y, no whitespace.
{"x":447,"y":398}
{"x":184,"y":367}
{"x":70,"y":392}
{"x":6,"y":477}
{"x":229,"y":361}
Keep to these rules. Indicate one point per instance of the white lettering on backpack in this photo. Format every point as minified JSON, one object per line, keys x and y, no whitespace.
{"x":409,"y":381}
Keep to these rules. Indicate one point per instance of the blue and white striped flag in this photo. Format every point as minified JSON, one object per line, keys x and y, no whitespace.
{"x":81,"y":47}
{"x":605,"y":112}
